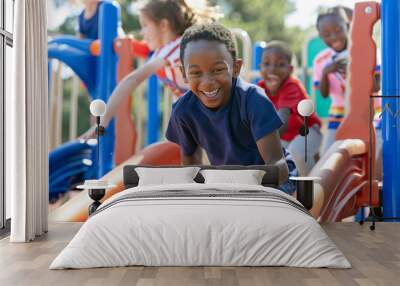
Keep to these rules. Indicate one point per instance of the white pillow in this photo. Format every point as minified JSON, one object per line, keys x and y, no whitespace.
{"x":248,"y":177}
{"x":163,"y":176}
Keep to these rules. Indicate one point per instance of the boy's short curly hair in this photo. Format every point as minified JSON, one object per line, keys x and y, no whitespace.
{"x":210,"y":32}
{"x":281,"y":47}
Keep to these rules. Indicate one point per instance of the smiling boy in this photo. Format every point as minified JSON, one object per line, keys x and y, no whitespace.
{"x":233,"y":121}
{"x":285,"y":92}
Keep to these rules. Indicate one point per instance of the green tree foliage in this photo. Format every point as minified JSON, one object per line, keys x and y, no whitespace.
{"x":69,"y":26}
{"x":130,"y":21}
{"x":264,"y":20}
{"x":260,"y":18}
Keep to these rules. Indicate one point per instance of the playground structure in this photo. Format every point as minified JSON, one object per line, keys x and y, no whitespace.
{"x":92,"y":64}
{"x":346,"y":170}
{"x":98,"y":75}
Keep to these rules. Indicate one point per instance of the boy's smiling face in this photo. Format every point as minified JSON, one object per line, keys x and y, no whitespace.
{"x":208,"y":68}
{"x":275,"y":69}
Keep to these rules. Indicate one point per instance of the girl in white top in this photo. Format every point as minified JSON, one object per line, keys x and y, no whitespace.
{"x":162,"y":25}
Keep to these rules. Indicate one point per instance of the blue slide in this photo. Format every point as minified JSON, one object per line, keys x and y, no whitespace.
{"x":70,"y":164}
{"x":75,"y":161}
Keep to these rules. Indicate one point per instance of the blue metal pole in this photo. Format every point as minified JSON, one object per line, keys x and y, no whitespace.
{"x":153,"y":114}
{"x":360,"y":215}
{"x":106,"y":77}
{"x":49,"y":83}
{"x":390,"y":15}
{"x":257,"y":54}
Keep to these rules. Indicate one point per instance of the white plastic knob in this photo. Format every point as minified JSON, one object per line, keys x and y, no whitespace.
{"x":98,"y":107}
{"x":305,"y":107}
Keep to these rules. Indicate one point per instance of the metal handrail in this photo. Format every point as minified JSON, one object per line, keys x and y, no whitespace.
{"x":56,"y":102}
{"x":73,"y":117}
{"x":246,"y":52}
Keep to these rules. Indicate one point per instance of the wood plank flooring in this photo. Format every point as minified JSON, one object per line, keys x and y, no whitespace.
{"x":374,"y":255}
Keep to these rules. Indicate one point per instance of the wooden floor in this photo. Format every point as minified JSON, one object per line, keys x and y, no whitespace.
{"x":374,"y":255}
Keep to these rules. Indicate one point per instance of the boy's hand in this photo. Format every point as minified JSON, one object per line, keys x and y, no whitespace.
{"x":270,"y":149}
{"x":195,"y":159}
{"x":336,"y":66}
{"x":90,"y":133}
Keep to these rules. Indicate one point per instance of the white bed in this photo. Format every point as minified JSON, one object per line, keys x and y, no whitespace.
{"x":201,"y":224}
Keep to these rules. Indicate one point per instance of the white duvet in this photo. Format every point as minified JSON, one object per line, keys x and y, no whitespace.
{"x":266,"y":229}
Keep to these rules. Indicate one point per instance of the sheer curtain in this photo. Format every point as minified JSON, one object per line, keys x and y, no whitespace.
{"x":26,"y":123}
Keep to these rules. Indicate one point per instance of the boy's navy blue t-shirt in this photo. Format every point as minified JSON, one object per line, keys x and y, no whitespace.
{"x":89,"y":28}
{"x":229,"y":134}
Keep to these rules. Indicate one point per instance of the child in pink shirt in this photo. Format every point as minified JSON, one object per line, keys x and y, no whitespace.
{"x":330,"y":68}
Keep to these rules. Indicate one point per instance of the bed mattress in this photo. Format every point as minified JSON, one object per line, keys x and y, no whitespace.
{"x":201,"y":225}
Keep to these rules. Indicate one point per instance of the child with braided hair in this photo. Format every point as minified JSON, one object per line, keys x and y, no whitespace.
{"x":330,"y":67}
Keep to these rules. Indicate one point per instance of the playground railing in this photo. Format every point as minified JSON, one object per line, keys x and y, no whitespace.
{"x":244,"y":37}
{"x":55,"y":101}
{"x":56,"y":104}
{"x":73,"y":117}
{"x":344,"y":184}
